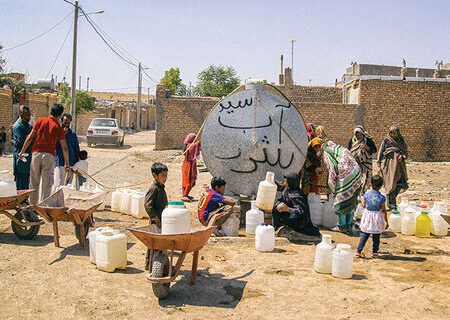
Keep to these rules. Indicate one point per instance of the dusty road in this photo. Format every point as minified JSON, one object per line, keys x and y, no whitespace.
{"x":40,"y":281}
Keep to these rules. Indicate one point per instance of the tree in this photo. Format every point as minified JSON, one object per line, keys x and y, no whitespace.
{"x":172,"y":81}
{"x":85,"y":102}
{"x":216,"y":81}
{"x":16,"y":86}
{"x":2,"y":60}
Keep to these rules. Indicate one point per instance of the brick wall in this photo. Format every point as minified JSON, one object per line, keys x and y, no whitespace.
{"x":119,"y":96}
{"x":304,"y":94}
{"x":6,"y":109}
{"x":421,"y":109}
{"x":37,"y":103}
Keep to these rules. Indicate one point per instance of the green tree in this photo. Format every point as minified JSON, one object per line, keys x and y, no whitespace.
{"x":216,"y":81}
{"x":172,"y":81}
{"x":85,"y":102}
{"x":2,"y":60}
{"x":16,"y":87}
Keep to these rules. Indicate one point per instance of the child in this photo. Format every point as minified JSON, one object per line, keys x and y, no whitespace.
{"x":213,"y":202}
{"x":374,"y":218}
{"x":156,"y":201}
{"x":80,"y":169}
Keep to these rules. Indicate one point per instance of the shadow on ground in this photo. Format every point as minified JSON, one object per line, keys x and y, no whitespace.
{"x":38,"y":241}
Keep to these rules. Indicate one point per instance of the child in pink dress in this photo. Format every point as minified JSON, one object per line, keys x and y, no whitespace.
{"x":374,"y":218}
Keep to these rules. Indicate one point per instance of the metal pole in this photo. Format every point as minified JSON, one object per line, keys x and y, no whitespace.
{"x":292,"y":60}
{"x":148,"y":95}
{"x":138,"y":113}
{"x":79,"y":83}
{"x":87,"y":84}
{"x":74,"y":69}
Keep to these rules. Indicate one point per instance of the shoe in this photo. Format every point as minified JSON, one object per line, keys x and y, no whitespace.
{"x":358,"y":254}
{"x":375,"y":255}
{"x":186,"y":199}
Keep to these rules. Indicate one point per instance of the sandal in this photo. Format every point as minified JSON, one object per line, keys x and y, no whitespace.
{"x":186,"y":199}
{"x":358,"y":254}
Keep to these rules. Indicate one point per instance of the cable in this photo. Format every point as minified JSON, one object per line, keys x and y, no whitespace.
{"x":59,"y":52}
{"x":37,"y":37}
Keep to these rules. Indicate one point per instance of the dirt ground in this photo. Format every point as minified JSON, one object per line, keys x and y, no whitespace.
{"x":40,"y":281}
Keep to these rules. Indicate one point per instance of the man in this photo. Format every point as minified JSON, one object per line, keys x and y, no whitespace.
{"x":73,"y":149}
{"x":21,"y":129}
{"x":213,"y":202}
{"x":2,"y":140}
{"x":46,"y":132}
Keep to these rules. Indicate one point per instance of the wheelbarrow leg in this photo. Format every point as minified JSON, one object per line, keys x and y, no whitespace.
{"x":194,"y":267}
{"x":55,"y":233}
{"x":82,"y":235}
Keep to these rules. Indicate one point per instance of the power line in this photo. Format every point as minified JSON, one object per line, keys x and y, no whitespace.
{"x":40,"y":35}
{"x":59,"y":52}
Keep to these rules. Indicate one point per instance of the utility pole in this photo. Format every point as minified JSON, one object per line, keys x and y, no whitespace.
{"x":292,"y":59}
{"x":87,"y":84}
{"x":74,"y":69}
{"x":138,"y":113}
{"x":79,"y":83}
{"x":148,"y":95}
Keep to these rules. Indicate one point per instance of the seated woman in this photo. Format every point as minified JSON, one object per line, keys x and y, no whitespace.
{"x":290,"y":215}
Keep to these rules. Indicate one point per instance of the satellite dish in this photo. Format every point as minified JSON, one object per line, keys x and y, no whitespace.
{"x":250,"y":132}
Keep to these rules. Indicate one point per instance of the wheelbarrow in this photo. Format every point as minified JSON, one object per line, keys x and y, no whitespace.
{"x":72,"y":206}
{"x":25,"y":223}
{"x":162,"y":250}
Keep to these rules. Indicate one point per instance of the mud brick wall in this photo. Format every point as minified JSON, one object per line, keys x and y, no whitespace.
{"x":84,"y":119}
{"x":304,"y":94}
{"x":6,"y":110}
{"x":119,"y":96}
{"x":421,"y":109}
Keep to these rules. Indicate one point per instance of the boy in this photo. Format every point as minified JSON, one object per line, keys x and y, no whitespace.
{"x":213,"y":202}
{"x":156,"y":201}
{"x":81,"y":168}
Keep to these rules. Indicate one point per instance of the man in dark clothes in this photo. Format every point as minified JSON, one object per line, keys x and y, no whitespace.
{"x":21,"y":129}
{"x":156,"y":200}
{"x":2,"y":140}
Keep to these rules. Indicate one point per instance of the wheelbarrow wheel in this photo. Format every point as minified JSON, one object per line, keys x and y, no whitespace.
{"x":87,"y":224}
{"x":25,"y":233}
{"x":160,"y":269}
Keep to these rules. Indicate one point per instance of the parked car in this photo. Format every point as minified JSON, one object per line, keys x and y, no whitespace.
{"x":105,"y":131}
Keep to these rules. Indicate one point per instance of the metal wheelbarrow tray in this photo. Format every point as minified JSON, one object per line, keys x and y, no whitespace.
{"x":25,"y":223}
{"x":72,"y":206}
{"x":162,"y":248}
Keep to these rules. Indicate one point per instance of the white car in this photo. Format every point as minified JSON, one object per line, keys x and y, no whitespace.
{"x":104,"y":131}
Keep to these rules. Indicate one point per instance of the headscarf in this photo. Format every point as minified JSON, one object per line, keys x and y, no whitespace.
{"x":361,"y":155}
{"x":398,"y":144}
{"x":293,"y":180}
{"x":316,"y":141}
{"x":320,"y":133}
{"x":310,"y":130}
{"x":191,"y":148}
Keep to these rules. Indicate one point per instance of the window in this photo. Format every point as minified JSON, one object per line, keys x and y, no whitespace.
{"x":104,"y":123}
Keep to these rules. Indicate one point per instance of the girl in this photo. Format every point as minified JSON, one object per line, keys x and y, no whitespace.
{"x":189,"y":168}
{"x":374,"y":218}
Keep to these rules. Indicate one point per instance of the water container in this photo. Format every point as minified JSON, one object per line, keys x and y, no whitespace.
{"x":409,"y":222}
{"x":92,"y":236}
{"x":330,"y":218}
{"x":265,"y":238}
{"x":125,"y":206}
{"x":116,"y":200}
{"x":423,"y":223}
{"x":315,"y":209}
{"x":7,"y":185}
{"x":439,"y":225}
{"x":230,"y":228}
{"x":403,"y":205}
{"x":111,"y":250}
{"x":137,"y":205}
{"x":342,"y":263}
{"x":359,"y":211}
{"x":253,"y":218}
{"x":175,"y":219}
{"x":324,"y":255}
{"x":267,"y":191}
{"x":395,"y":221}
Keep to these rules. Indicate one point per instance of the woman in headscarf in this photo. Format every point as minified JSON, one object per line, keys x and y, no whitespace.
{"x":291,"y":211}
{"x":363,"y":150}
{"x":311,"y":171}
{"x":310,"y":131}
{"x":189,"y":169}
{"x":344,"y":179}
{"x":391,"y":162}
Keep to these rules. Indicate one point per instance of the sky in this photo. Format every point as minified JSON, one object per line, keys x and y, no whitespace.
{"x":248,"y":35}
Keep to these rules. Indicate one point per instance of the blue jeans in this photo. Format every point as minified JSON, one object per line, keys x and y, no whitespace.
{"x":363,"y":239}
{"x":345,"y":220}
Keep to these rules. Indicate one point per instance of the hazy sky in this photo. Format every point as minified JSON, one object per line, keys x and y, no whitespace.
{"x":248,"y":35}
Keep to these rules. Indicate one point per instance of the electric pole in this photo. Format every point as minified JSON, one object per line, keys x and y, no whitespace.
{"x":79,"y":83}
{"x":87,"y":84}
{"x":292,"y":59}
{"x":138,"y":113}
{"x":74,"y":69}
{"x":148,"y":95}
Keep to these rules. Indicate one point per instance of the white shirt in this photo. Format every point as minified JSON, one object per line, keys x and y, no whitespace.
{"x":83,"y":165}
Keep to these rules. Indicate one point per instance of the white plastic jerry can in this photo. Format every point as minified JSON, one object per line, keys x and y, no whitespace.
{"x":315,"y":209}
{"x":111,"y":250}
{"x":125,"y":206}
{"x":7,"y":185}
{"x":175,"y":219}
{"x":324,"y":255}
{"x":265,"y":238}
{"x":92,"y":236}
{"x":253,"y":218}
{"x":116,"y":200}
{"x":137,"y":205}
{"x":267,"y":192}
{"x":342,"y":265}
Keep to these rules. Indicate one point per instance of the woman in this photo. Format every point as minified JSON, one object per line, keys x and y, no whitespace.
{"x":344,"y":179}
{"x":310,"y":131}
{"x":311,"y":171}
{"x":291,"y":210}
{"x":189,"y":169}
{"x":391,"y":163}
{"x":363,"y":149}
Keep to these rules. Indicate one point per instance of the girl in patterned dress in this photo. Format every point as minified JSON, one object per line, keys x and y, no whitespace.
{"x":374,"y":218}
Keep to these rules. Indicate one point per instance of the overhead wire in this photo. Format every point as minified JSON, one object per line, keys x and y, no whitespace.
{"x":38,"y":36}
{"x":59,"y":52}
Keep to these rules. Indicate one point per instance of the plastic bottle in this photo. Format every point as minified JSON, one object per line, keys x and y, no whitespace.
{"x":315,"y":209}
{"x":111,"y":250}
{"x":125,"y":206}
{"x":330,"y":218}
{"x":92,"y":236}
{"x":439,"y":225}
{"x":404,"y":204}
{"x":265,"y":238}
{"x":395,"y":221}
{"x":324,"y":255}
{"x":409,"y":222}
{"x":267,"y":191}
{"x":116,"y":200}
{"x":253,"y":218}
{"x":7,"y":185}
{"x":175,"y":219}
{"x":342,"y":265}
{"x":137,"y":205}
{"x":423,"y":223}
